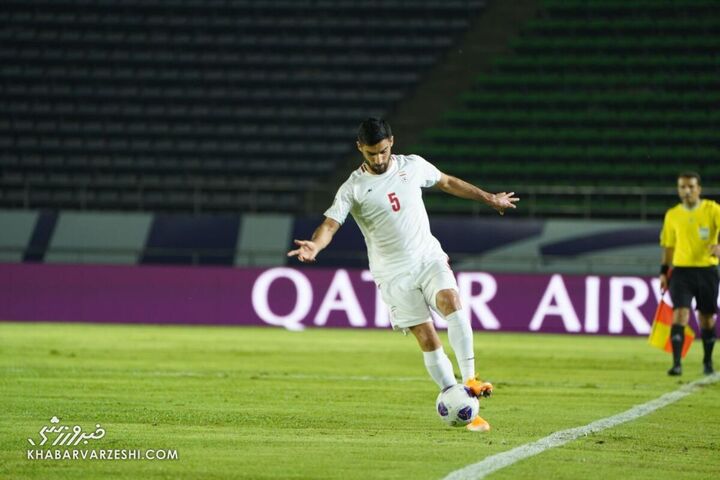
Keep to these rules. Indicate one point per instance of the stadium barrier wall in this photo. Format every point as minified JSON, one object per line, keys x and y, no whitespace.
{"x":296,"y":298}
{"x":501,"y":244}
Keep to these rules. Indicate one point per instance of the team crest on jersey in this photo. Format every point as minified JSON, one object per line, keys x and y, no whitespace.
{"x":403,"y":176}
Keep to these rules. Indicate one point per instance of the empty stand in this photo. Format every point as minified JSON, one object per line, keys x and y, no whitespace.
{"x":201,"y":104}
{"x":598,"y":96}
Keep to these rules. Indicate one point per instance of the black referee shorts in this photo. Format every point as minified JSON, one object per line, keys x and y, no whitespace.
{"x":699,"y":282}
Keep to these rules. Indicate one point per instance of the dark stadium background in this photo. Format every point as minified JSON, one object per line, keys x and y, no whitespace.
{"x":213,"y":132}
{"x":158,"y":157}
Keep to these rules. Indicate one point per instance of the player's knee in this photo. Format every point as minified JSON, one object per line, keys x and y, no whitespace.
{"x":447,"y":301}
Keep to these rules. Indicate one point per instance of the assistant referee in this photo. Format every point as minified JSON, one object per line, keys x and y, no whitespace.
{"x":690,"y":247}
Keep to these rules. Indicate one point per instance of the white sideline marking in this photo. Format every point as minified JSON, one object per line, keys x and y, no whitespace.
{"x":496,"y":462}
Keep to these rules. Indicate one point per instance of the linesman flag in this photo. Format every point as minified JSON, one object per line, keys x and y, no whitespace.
{"x":660,"y":333}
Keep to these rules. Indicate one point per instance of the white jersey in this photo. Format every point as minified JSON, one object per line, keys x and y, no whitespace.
{"x":391,"y":214}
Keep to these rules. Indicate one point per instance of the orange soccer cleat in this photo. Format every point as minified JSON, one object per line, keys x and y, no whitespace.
{"x":480,"y":388}
{"x":478,"y":424}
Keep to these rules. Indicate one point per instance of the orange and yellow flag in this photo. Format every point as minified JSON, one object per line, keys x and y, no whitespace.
{"x":662,"y":323}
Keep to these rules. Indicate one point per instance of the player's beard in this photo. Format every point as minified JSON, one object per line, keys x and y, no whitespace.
{"x":378,"y":169}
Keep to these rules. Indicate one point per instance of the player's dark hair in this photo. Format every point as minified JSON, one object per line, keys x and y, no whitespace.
{"x":373,"y":130}
{"x":689,"y":174}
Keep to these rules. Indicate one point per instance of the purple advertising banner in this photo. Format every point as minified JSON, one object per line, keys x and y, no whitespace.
{"x":302,"y":298}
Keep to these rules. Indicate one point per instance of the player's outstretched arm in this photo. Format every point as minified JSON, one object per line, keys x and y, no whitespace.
{"x":460,"y":188}
{"x":308,"y":250}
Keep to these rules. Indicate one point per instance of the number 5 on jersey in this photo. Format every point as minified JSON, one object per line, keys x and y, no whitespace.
{"x":394,"y":201}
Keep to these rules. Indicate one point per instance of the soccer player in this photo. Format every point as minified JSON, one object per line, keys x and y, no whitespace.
{"x":384,"y":195}
{"x":690,"y":244}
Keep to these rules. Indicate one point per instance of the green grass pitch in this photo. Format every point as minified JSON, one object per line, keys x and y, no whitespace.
{"x":254,"y":403}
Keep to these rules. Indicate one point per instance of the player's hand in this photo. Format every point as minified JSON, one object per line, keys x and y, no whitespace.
{"x":715,"y":250}
{"x":503,"y":200}
{"x":306,"y":251}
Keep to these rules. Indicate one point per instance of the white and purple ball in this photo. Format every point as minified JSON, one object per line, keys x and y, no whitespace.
{"x":457,"y":406}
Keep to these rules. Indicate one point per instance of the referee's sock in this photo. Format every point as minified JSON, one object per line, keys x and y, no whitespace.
{"x":708,"y":339}
{"x":677,"y":338}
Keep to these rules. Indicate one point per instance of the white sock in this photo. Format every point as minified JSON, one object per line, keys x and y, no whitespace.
{"x":461,"y":340}
{"x":439,"y":367}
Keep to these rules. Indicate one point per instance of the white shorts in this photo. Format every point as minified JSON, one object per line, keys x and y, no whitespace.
{"x":408,"y":296}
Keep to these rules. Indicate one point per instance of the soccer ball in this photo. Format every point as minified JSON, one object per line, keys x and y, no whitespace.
{"x":457,"y":405}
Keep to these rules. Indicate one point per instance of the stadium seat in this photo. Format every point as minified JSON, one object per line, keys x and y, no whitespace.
{"x":268,"y":90}
{"x":600,"y":93}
